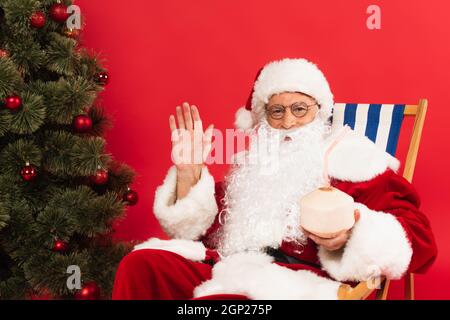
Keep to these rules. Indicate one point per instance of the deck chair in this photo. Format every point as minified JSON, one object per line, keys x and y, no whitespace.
{"x":382,"y":123}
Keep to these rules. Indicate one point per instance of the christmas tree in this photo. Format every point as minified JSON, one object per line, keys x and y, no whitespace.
{"x":60,"y":192}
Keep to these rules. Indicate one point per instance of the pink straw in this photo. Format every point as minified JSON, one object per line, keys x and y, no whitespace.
{"x":327,"y":153}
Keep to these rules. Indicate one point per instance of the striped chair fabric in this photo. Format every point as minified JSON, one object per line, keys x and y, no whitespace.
{"x":381,"y":123}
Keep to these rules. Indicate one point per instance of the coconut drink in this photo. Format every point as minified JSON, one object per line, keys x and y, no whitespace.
{"x":327,"y":210}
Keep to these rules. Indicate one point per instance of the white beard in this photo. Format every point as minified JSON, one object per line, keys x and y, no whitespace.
{"x":261,"y":198}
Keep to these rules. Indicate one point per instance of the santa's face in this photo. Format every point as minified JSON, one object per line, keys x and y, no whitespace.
{"x":262,"y":192}
{"x":290,"y":110}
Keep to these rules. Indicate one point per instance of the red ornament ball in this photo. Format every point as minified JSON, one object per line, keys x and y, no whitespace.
{"x":13,"y":102}
{"x":38,"y":19}
{"x":82,"y":123}
{"x":58,"y":12}
{"x":102,"y":78}
{"x":3,"y":53}
{"x":100,"y":177}
{"x":131,"y":197}
{"x":89,"y":291}
{"x":28,"y":172}
{"x":59,"y":246}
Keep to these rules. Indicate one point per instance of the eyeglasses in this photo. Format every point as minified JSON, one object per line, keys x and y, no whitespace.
{"x":298,"y":109}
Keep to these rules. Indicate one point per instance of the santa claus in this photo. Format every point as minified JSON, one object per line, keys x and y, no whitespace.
{"x":243,"y":236}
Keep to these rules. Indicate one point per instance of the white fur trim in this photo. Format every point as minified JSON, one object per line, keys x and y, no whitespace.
{"x":239,"y":158}
{"x":377,"y":246}
{"x":190,"y":217}
{"x":243,"y":119}
{"x":254,"y":275}
{"x":189,"y":249}
{"x":356,"y":158}
{"x":292,"y":75}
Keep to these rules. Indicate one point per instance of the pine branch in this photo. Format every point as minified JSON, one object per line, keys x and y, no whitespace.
{"x":56,"y":220}
{"x":88,"y":155}
{"x":120,"y":177}
{"x":101,"y":271}
{"x":5,"y":121}
{"x":17,"y":13}
{"x":70,"y":155}
{"x":66,"y":98}
{"x":10,"y":79}
{"x":89,"y":64}
{"x":30,"y":116}
{"x":48,"y":3}
{"x":26,"y":53}
{"x":100,"y":122}
{"x":60,"y":55}
{"x":14,"y":286}
{"x":18,"y":237}
{"x":4,"y":217}
{"x":79,"y":210}
{"x":14,"y":156}
{"x":48,"y":272}
{"x":58,"y":152}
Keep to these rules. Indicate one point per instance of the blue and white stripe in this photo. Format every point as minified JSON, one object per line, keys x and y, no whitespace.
{"x":381,"y":123}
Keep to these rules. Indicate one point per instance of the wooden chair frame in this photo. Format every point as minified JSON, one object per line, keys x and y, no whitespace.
{"x":363,"y":289}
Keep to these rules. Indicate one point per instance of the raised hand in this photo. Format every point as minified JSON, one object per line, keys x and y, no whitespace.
{"x":190,"y":146}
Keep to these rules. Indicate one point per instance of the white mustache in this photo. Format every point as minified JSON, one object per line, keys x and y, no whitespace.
{"x":293,"y":133}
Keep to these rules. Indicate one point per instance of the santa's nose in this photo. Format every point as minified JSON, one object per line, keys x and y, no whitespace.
{"x":289,"y":120}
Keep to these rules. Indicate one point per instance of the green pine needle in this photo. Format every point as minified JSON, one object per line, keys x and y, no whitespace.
{"x":66,"y":97}
{"x":5,"y":121}
{"x":89,"y":155}
{"x":4,"y":217}
{"x":30,"y":116}
{"x":14,"y":156}
{"x":60,"y":55}
{"x":10,"y":80}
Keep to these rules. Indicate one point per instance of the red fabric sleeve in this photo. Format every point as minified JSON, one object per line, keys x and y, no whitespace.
{"x":391,"y":193}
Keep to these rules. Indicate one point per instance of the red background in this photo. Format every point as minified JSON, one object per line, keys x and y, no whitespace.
{"x":206,"y":52}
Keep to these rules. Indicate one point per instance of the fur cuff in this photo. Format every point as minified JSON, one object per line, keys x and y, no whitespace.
{"x":190,"y":217}
{"x":189,"y":249}
{"x":256,"y":276}
{"x":377,"y":246}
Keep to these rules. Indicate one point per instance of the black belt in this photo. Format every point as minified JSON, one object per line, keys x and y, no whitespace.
{"x":280,"y":256}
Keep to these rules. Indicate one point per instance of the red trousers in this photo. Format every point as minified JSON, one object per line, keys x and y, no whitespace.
{"x":153,"y":274}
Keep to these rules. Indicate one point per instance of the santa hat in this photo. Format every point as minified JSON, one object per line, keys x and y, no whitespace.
{"x":287,"y":75}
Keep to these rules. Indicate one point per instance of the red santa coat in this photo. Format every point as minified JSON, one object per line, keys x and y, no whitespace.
{"x":391,"y":237}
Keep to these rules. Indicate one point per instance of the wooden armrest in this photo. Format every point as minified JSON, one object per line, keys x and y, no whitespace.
{"x":359,"y":292}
